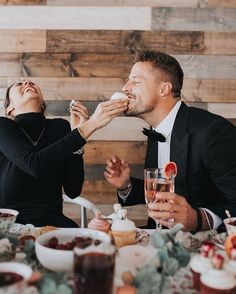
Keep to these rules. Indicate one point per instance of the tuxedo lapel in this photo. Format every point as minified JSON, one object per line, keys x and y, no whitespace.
{"x":179,"y":149}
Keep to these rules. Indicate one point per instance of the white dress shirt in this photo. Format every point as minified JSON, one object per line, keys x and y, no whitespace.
{"x":165,"y":128}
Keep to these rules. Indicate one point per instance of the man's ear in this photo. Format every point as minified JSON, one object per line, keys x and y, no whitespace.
{"x":9,"y":109}
{"x":165,"y":88}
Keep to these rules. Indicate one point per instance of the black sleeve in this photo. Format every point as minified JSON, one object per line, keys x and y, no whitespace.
{"x":220,"y":160}
{"x":16,"y":148}
{"x":73,"y":174}
{"x":136,"y":195}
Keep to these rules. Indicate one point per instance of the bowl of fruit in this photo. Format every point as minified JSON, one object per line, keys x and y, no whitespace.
{"x":54,"y":249}
{"x":13,"y":276}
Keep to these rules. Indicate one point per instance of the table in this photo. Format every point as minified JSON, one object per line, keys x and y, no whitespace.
{"x":181,"y":281}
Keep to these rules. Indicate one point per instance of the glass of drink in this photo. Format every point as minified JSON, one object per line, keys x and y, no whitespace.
{"x":94,"y":269}
{"x":156,"y":180}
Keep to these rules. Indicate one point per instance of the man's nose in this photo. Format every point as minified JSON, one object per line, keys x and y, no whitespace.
{"x":27,"y":82}
{"x":126,"y":88}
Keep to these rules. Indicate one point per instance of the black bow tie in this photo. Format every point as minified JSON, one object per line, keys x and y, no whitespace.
{"x":153,"y":135}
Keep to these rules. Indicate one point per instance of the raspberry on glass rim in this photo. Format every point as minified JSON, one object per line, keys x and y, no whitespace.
{"x":170,"y":168}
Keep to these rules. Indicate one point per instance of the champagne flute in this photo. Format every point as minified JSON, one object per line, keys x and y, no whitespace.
{"x":156,"y":180}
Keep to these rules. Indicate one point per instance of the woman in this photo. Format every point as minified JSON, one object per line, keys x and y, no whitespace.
{"x":39,"y":156}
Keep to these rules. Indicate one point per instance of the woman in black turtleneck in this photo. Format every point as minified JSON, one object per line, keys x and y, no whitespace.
{"x":38,"y":156}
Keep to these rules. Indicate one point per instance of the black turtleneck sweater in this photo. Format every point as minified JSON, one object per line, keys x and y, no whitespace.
{"x":32,"y":177}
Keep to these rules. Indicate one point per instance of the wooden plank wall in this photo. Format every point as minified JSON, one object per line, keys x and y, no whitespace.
{"x":83,"y":49}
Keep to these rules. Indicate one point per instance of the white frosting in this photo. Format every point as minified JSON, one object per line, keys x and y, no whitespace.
{"x":230,"y":266}
{"x":200,"y":264}
{"x":218,"y":279}
{"x":118,"y":95}
{"x":123,"y":225}
{"x":103,"y":247}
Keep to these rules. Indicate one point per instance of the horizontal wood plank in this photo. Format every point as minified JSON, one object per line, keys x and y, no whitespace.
{"x":147,"y":3}
{"x":205,"y":90}
{"x":220,"y":3}
{"x":219,"y":43}
{"x":23,"y":2}
{"x":100,"y":89}
{"x":13,"y":41}
{"x":97,"y":152}
{"x":85,"y":18}
{"x":172,"y":42}
{"x":194,"y":19}
{"x":128,"y":128}
{"x":108,"y":65}
{"x":130,"y":3}
{"x":73,"y":88}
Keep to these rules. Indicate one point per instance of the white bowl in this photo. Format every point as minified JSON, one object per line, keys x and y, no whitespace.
{"x":230,"y":228}
{"x":7,"y":222}
{"x":19,"y":268}
{"x":62,"y":260}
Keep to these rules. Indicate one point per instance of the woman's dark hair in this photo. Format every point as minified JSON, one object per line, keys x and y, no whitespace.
{"x":7,"y":101}
{"x":165,"y":63}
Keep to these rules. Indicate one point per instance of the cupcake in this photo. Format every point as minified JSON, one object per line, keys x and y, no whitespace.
{"x":217,"y":280}
{"x":200,"y":263}
{"x":99,"y":224}
{"x":123,"y":230}
{"x":230,"y":248}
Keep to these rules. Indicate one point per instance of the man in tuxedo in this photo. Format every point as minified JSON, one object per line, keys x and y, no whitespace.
{"x":202,"y":144}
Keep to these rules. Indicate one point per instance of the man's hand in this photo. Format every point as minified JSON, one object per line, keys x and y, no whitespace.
{"x":117,"y":172}
{"x":173,"y":206}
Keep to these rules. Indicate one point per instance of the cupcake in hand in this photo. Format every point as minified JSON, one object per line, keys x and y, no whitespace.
{"x":123,"y":230}
{"x":100,"y":224}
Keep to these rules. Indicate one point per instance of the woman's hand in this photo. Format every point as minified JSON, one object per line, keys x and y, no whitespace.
{"x":78,"y":114}
{"x":104,"y":113}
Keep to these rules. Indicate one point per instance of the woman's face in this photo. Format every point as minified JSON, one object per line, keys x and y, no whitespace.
{"x":25,"y":96}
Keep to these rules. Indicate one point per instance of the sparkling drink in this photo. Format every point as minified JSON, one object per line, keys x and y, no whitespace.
{"x":156,"y":185}
{"x":155,"y":180}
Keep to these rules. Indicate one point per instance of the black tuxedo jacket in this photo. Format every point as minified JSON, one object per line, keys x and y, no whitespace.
{"x":203,"y":145}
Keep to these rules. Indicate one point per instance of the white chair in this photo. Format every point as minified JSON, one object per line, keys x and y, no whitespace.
{"x":84,"y":204}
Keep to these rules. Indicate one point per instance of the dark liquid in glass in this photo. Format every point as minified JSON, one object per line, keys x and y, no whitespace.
{"x":7,"y":278}
{"x":4,"y":214}
{"x":94,"y":273}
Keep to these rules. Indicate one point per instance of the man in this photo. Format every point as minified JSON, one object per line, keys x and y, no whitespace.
{"x":202,"y":144}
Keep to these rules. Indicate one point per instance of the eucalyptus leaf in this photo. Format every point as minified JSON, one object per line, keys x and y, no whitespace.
{"x":163,"y":254}
{"x":178,"y":227}
{"x":159,"y":239}
{"x":170,"y":266}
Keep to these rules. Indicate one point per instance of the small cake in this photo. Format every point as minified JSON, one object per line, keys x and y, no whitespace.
{"x":217,"y":280}
{"x":230,"y":248}
{"x":200,"y":263}
{"x":230,"y":244}
{"x":123,"y":229}
{"x":99,"y":224}
{"x":119,"y":95}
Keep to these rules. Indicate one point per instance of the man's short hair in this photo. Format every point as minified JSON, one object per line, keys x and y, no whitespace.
{"x":167,"y":64}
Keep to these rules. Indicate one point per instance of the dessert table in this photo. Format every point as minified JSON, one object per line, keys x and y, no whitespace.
{"x":129,"y":259}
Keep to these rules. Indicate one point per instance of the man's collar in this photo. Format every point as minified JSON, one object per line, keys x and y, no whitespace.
{"x":166,"y":125}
